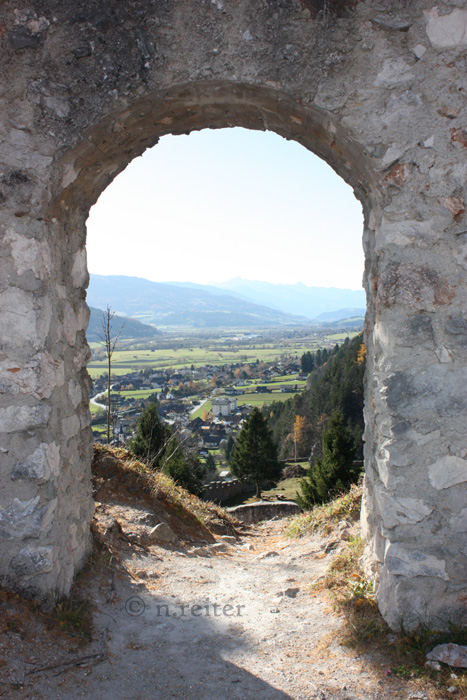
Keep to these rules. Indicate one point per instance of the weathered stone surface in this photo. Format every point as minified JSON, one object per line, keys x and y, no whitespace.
{"x":14,"y":419}
{"x":459,"y":522}
{"x":395,"y":71}
{"x":21,"y":38}
{"x":457,"y":326}
{"x":79,"y":271}
{"x":447,"y":31}
{"x":452,"y":654}
{"x":26,"y":518}
{"x":32,"y":560}
{"x":17,"y":317}
{"x":40,"y":465}
{"x":373,"y":88}
{"x":419,"y":288}
{"x":163,"y":533}
{"x":403,"y":511}
{"x":411,"y":563}
{"x":264,"y":510}
{"x":448,"y":471}
{"x":392,"y":23}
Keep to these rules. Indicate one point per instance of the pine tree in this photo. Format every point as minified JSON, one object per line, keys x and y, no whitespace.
{"x":151,"y":436}
{"x":210,"y":463}
{"x":307,"y":362}
{"x":161,"y":449}
{"x":334,"y":471}
{"x":254,"y":457}
{"x":186,"y":470}
{"x":229,"y":447}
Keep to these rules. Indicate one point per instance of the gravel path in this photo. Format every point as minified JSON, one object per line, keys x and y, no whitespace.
{"x":233,"y":621}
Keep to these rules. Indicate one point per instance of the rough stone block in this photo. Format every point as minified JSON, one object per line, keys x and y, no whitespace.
{"x":18,"y":418}
{"x":32,"y":560}
{"x":410,"y":563}
{"x":40,"y":465}
{"x":397,"y":510}
{"x":447,"y":31}
{"x":26,"y":518}
{"x":447,"y":471}
{"x":29,"y":254}
{"x":18,"y":318}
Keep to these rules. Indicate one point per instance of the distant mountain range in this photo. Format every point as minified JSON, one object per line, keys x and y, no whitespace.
{"x":339,"y":315}
{"x":234,"y":304}
{"x":294,"y":298}
{"x":131,"y":327}
{"x":169,"y":305}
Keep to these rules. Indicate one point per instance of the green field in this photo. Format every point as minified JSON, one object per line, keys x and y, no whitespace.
{"x":215,"y":353}
{"x":342,"y":336}
{"x":253,"y":399}
{"x":199,"y":411}
{"x":263,"y":399}
{"x":137,"y":393}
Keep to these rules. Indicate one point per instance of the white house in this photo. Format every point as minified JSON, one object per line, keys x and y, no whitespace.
{"x":224,"y":406}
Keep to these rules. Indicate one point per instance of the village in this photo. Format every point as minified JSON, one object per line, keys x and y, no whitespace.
{"x":219,"y":394}
{"x":206,"y":405}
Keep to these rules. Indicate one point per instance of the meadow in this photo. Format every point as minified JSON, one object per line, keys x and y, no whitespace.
{"x":249,"y":399}
{"x":198,"y":352}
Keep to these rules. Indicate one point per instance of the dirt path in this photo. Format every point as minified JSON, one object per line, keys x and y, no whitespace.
{"x":237,"y":620}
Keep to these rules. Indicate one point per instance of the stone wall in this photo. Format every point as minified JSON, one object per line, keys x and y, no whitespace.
{"x":219,"y":491}
{"x":264,"y":510}
{"x":378,"y":89}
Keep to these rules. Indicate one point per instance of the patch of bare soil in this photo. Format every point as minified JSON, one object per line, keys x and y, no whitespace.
{"x":205,"y":617}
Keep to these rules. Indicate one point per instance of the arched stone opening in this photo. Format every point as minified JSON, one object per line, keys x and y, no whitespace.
{"x":287,"y":71}
{"x":118,"y":139}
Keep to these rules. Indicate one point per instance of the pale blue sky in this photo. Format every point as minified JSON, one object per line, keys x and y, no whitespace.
{"x":228,"y":203}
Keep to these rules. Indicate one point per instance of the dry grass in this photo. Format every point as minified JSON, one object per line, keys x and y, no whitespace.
{"x":74,"y":617}
{"x":324,"y":518}
{"x":117,"y":474}
{"x":352,"y":595}
{"x":365,"y":631}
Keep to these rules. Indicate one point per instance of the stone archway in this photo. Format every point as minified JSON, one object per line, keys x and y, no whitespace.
{"x":377,"y":90}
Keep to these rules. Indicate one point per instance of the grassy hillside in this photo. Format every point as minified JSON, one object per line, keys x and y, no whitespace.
{"x":119,"y":477}
{"x":336,"y":385}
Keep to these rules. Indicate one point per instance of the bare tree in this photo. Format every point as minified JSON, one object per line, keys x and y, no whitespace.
{"x":109,"y":341}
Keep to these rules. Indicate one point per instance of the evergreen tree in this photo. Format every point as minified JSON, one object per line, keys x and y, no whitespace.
{"x":186,"y":470}
{"x":334,"y":386}
{"x":151,"y":436}
{"x":160,"y":449}
{"x":307,"y":362}
{"x":210,"y":463}
{"x":229,"y":447}
{"x":334,"y":471}
{"x":254,"y":457}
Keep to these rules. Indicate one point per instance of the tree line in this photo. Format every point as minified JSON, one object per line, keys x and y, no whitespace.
{"x":325,"y":423}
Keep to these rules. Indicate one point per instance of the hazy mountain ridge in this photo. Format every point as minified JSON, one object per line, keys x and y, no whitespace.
{"x":181,"y":305}
{"x":132,"y":328}
{"x":340,"y":315}
{"x":209,"y":306}
{"x":295,"y":298}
